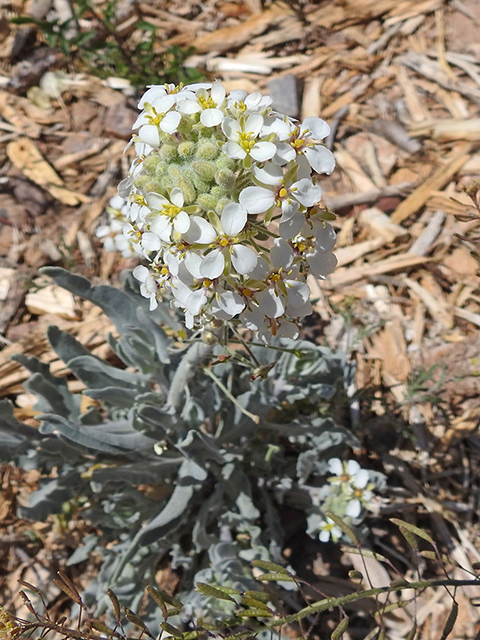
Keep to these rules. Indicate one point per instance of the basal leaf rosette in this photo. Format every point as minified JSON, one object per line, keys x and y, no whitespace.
{"x":222,"y":204}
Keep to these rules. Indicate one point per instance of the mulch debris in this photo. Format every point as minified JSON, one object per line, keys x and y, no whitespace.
{"x":399,"y":82}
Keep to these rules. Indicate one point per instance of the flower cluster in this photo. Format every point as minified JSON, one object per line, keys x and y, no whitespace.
{"x":221,"y":204}
{"x":349,"y":490}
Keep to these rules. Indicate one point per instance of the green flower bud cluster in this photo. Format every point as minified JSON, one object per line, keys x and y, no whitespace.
{"x":205,"y":175}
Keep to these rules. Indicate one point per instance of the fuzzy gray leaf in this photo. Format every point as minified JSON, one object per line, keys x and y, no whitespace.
{"x":190,"y":476}
{"x":117,"y":440}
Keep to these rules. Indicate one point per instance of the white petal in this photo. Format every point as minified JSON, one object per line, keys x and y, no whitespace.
{"x":141,"y":120}
{"x":290,"y":228}
{"x":254,"y":124}
{"x":324,"y":536}
{"x":149,"y":134}
{"x":335,"y":466}
{"x":298,"y":294}
{"x":231,"y":129}
{"x":230,"y":302}
{"x":317,"y":128}
{"x":195,"y":301}
{"x":281,"y":254}
{"x":261,"y":270}
{"x":211,"y":117}
{"x":321,"y":263}
{"x":287,"y":330}
{"x":233,"y":218}
{"x":176,"y":197}
{"x":156,"y":201}
{"x":361,"y":479}
{"x":155,"y":91}
{"x":306,"y":192}
{"x":289,"y":209}
{"x":354,"y":508}
{"x":159,"y":224}
{"x":170,"y":122}
{"x":353,"y":467}
{"x":257,"y":199}
{"x":285,"y":153}
{"x":172,"y":262}
{"x":193,"y":262}
{"x":263,"y":151}
{"x":188,"y":106}
{"x":282,"y":129}
{"x":200,"y":231}
{"x":195,"y":86}
{"x":270,"y":303}
{"x":218,"y":93}
{"x":162,"y":104}
{"x":141,"y":273}
{"x":181,"y":223}
{"x":325,"y":235}
{"x":244,"y":259}
{"x":320,"y":158}
{"x":213,"y":264}
{"x":234,"y":150}
{"x":150,"y":241}
{"x":270,"y":174}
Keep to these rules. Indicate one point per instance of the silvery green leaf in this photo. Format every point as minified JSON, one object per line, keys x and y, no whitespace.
{"x":53,"y":391}
{"x":117,"y":396}
{"x":166,"y":522}
{"x":91,"y":416}
{"x":97,"y":374}
{"x":122,"y":308}
{"x":83,"y":552}
{"x":139,"y":472}
{"x":10,"y":426}
{"x":153,"y":420}
{"x":200,"y":448}
{"x":246,"y":507}
{"x":305,"y":465}
{"x":115,"y":438}
{"x":50,"y":497}
{"x":207,"y":514}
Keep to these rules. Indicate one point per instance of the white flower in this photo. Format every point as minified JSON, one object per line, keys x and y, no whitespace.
{"x":157,"y":115}
{"x":200,"y":201}
{"x":278,"y":191}
{"x":228,"y":247}
{"x":108,"y":232}
{"x":168,"y":215}
{"x":209,"y":105}
{"x":328,"y":529}
{"x":241,"y":103}
{"x":148,"y":287}
{"x":242,"y":139}
{"x":319,"y":157}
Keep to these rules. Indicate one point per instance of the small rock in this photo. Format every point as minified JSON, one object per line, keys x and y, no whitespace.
{"x":285,"y":93}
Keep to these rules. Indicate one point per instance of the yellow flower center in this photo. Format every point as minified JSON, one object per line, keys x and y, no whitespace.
{"x":170,"y":210}
{"x":155,"y":118}
{"x":206,"y":103}
{"x":241,"y":106}
{"x":224,"y":242}
{"x":246,"y":141}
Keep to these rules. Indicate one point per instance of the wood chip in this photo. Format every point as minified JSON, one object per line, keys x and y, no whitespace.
{"x":438,"y":180}
{"x":422,"y":244}
{"x":27,"y":158}
{"x":394,"y":263}
{"x":380,"y":225}
{"x":52,"y":299}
